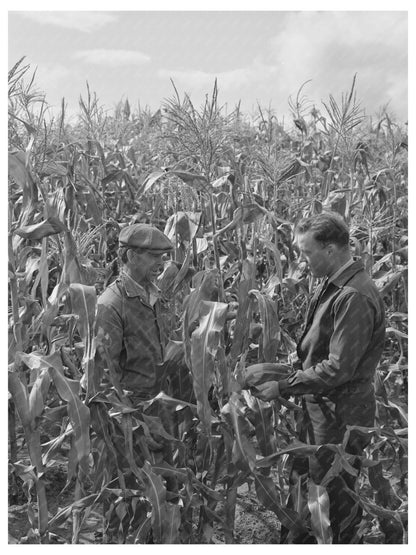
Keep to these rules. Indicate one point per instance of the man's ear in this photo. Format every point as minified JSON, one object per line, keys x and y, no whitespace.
{"x":330,"y":249}
{"x":129,"y":255}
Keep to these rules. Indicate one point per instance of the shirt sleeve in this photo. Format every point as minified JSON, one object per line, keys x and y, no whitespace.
{"x":353,"y":329}
{"x":110,"y":332}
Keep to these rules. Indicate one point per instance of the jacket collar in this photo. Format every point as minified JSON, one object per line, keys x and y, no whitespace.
{"x":348,"y":273}
{"x":148,"y":294}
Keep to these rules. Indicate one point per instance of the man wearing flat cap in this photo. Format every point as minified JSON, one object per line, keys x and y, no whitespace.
{"x":128,"y":311}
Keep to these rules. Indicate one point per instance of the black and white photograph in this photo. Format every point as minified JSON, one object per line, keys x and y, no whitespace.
{"x":207,"y":237}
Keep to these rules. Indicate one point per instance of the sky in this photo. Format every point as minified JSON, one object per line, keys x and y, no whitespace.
{"x":259,"y":57}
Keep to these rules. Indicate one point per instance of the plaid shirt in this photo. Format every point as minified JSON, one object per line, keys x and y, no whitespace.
{"x":128,"y":316}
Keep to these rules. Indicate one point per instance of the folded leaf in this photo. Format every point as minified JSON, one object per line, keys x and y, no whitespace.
{"x":36,"y":232}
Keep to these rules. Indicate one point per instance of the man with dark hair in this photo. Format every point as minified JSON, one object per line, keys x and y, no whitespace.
{"x":338,"y":353}
{"x":128,"y":314}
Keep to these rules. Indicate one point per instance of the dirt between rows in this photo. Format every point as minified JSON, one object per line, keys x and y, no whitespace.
{"x":253,"y":523}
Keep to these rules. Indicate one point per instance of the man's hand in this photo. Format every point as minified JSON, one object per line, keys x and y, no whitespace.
{"x":266,"y":391}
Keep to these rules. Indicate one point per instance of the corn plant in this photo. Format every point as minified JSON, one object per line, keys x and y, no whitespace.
{"x":227,"y":192}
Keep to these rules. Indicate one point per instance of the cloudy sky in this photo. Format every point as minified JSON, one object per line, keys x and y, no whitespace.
{"x":257,"y":56}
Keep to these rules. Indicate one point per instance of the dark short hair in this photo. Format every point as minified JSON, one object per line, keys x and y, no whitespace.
{"x":327,"y":227}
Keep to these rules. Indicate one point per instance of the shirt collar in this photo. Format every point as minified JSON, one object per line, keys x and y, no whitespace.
{"x":149,"y":294}
{"x":334,"y":276}
{"x":348,"y":271}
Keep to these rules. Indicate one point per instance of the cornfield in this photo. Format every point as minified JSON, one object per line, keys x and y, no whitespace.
{"x":227,"y":189}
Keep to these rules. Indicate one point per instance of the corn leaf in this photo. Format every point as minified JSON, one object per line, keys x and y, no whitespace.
{"x":79,"y":414}
{"x":263,"y":423}
{"x":38,"y":394}
{"x":84,"y":303}
{"x":271,"y":327}
{"x":243,"y":317}
{"x":205,"y":287}
{"x":37,"y":232}
{"x":244,"y":454}
{"x":204,"y":344}
{"x":20,"y":397}
{"x":295,"y":448}
{"x":318,"y":503}
{"x":267,"y":496}
{"x":385,"y":494}
{"x":171,"y":524}
{"x":156,"y":493}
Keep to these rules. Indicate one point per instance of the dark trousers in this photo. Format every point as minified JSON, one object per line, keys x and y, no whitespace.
{"x":345,"y":514}
{"x":325,"y":422}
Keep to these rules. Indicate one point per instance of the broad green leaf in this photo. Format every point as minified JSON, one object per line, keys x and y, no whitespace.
{"x":43,"y":274}
{"x":271,"y":327}
{"x":64,"y":514}
{"x":295,"y":448}
{"x":20,"y":397}
{"x":84,"y":304}
{"x":267,"y":496}
{"x":151,"y":179}
{"x":318,"y":503}
{"x":243,"y":215}
{"x":72,"y":271}
{"x":192,"y":179}
{"x":37,"y":232}
{"x":183,"y":225}
{"x":156,"y":428}
{"x":204,"y":290}
{"x":169,"y":401}
{"x":20,"y":172}
{"x":399,"y":517}
{"x":262,"y":372}
{"x":155,"y":491}
{"x":54,"y":168}
{"x":171,"y":524}
{"x":244,"y":312}
{"x":204,"y":344}
{"x":385,"y":494}
{"x":227,"y":179}
{"x":38,"y":394}
{"x":245,"y":454}
{"x":79,"y":414}
{"x":263,"y":422}
{"x":184,"y":273}
{"x":101,"y":424}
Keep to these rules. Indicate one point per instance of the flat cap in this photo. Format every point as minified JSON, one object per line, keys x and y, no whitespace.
{"x":144,"y":236}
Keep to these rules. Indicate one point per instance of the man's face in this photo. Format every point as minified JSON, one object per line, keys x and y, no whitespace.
{"x":319,"y":260}
{"x":146,"y":266}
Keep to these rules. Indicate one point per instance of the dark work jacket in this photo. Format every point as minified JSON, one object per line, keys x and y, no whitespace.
{"x":340,"y":348}
{"x":128,"y":319}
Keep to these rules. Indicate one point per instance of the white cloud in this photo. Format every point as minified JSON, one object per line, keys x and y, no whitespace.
{"x":81,"y":21}
{"x":53,"y":72}
{"x":227,"y":80}
{"x":109,"y":57}
{"x":330,"y":47}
